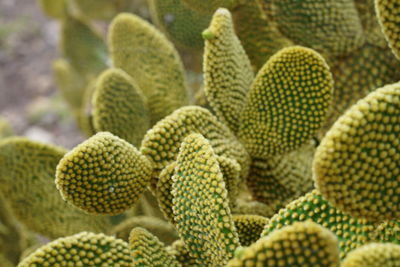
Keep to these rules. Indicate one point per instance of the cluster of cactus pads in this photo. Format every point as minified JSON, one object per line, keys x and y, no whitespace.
{"x":293,"y":161}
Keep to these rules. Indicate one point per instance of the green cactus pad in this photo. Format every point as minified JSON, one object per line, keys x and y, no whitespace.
{"x":200,"y":204}
{"x":119,"y":107}
{"x":278,"y":180}
{"x":227,"y":70}
{"x":53,"y":8}
{"x":330,"y":26}
{"x":351,"y":232}
{"x":163,"y":230}
{"x":209,"y":6}
{"x":83,"y":47}
{"x":258,"y":34}
{"x":103,"y":175}
{"x":161,"y":144}
{"x":230,"y":170}
{"x":27,"y":179}
{"x":181,"y":253}
{"x":358,"y":74}
{"x":388,"y":11}
{"x":83,"y":249}
{"x":181,"y":24}
{"x":374,"y":255}
{"x":287,"y":103}
{"x":356,"y":164}
{"x":387,"y":232}
{"x":148,"y":251}
{"x":303,"y":244}
{"x":151,"y":60}
{"x":249,"y":228}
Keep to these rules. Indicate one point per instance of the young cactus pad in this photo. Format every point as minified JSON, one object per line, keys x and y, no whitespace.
{"x":287,"y":102}
{"x":303,"y":244}
{"x":374,"y":255}
{"x":200,"y":204}
{"x":103,"y":175}
{"x":357,"y":163}
{"x":388,"y":12}
{"x":227,"y":70}
{"x":83,"y":249}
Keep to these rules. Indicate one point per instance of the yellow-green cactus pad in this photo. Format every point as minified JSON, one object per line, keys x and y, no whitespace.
{"x":179,"y":250}
{"x":369,"y":20}
{"x":83,"y":249}
{"x":303,"y":244}
{"x":53,"y":8}
{"x":278,"y":180}
{"x":209,"y":6}
{"x":374,"y":255}
{"x":387,"y":232}
{"x":161,"y":144}
{"x":27,"y":179}
{"x":357,"y":163}
{"x":249,"y":228}
{"x":200,"y":204}
{"x":259,"y":35}
{"x":227,"y":70}
{"x":99,"y":9}
{"x":181,"y":24}
{"x":82,"y":46}
{"x":103,"y":175}
{"x":5,"y":128}
{"x":358,"y":74}
{"x":163,"y":230}
{"x":330,"y":26}
{"x":253,"y":208}
{"x":151,"y":60}
{"x":119,"y":107}
{"x":5,"y":262}
{"x":230,"y":170}
{"x":148,"y":251}
{"x":287,"y":102}
{"x":351,"y":232}
{"x":388,"y":11}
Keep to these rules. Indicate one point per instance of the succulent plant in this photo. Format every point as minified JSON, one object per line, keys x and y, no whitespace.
{"x":258,"y":150}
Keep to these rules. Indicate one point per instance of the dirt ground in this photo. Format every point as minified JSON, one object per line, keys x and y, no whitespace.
{"x":28,"y":96}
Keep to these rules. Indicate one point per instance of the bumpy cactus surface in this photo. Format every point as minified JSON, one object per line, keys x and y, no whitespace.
{"x":293,"y":159}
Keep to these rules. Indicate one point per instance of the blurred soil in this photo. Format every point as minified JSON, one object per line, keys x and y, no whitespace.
{"x":28,"y":96}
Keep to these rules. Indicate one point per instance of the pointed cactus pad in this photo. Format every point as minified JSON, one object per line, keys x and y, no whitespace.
{"x":119,"y":107}
{"x":83,"y":249}
{"x":287,"y":102}
{"x":148,"y":251}
{"x":303,"y":244}
{"x":357,"y":163}
{"x":200,"y":204}
{"x":103,"y":175}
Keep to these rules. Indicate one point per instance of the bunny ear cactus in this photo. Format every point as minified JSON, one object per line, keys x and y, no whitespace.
{"x":147,"y":250}
{"x":388,"y":12}
{"x":180,"y":23}
{"x":249,"y":228}
{"x":103,"y":175}
{"x":119,"y":107}
{"x":303,"y":244}
{"x":98,"y":9}
{"x":227,"y":70}
{"x":83,"y":249}
{"x":200,"y":204}
{"x":151,"y":60}
{"x":54,"y":8}
{"x":374,"y":255}
{"x":27,"y":178}
{"x":287,"y":103}
{"x":331,"y":26}
{"x":356,"y":164}
{"x":351,"y":232}
{"x":209,"y":6}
